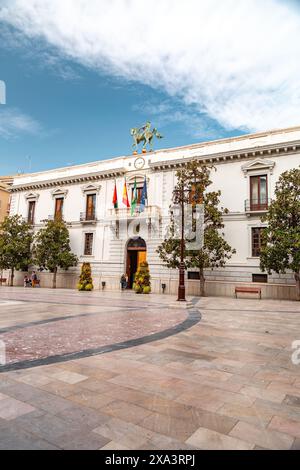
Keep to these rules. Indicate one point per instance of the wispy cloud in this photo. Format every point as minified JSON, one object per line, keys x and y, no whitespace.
{"x":11,"y":39}
{"x":168,"y":112}
{"x":13,"y":123}
{"x":235,"y":61}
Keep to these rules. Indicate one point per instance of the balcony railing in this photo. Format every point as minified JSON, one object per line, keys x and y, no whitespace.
{"x":58,"y":216}
{"x":257,"y":205}
{"x":149,"y":212}
{"x":85,"y":217}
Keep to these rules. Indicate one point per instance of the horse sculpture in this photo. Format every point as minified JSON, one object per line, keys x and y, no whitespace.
{"x":145,"y":135}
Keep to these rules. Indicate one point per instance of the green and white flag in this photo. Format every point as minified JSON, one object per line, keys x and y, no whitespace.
{"x":134,"y":198}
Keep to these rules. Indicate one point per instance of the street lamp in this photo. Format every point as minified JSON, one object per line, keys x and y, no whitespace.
{"x":180,"y":197}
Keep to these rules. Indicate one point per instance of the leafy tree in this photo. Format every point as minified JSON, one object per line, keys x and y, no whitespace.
{"x":15,"y":244}
{"x":191,"y":187}
{"x":281,"y":238}
{"x":85,"y":280}
{"x":2,"y":258}
{"x":52,"y":249}
{"x":142,"y":283}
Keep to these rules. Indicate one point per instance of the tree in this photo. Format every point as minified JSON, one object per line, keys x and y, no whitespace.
{"x":15,"y":244}
{"x":281,"y":238}
{"x":191,"y":187}
{"x":142,"y":283}
{"x":52,"y":249}
{"x":85,"y":280}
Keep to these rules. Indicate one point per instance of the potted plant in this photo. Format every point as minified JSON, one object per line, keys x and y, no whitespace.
{"x":142,"y":284}
{"x":85,"y":280}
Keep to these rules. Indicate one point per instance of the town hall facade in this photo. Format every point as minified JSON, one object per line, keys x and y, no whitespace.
{"x":114,"y":239}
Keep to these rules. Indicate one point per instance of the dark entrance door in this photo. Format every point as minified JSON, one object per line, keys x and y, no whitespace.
{"x":131,"y":266}
{"x":136,"y":252}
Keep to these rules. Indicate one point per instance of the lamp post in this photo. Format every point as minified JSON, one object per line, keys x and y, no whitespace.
{"x":181,"y":287}
{"x":180,"y":197}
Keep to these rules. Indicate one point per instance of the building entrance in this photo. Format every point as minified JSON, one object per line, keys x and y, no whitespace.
{"x":136,"y":254}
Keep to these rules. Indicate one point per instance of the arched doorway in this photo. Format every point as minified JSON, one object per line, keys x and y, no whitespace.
{"x":136,"y":253}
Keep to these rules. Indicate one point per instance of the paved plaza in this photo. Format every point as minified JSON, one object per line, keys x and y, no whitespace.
{"x":112,"y":370}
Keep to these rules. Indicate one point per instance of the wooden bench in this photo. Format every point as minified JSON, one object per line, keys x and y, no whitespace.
{"x":2,"y":280}
{"x":248,"y":290}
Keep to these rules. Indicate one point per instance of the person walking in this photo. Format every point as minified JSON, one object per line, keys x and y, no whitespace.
{"x":34,"y":279}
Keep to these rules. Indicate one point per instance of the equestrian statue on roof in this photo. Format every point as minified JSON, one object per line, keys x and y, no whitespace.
{"x":144,"y":134}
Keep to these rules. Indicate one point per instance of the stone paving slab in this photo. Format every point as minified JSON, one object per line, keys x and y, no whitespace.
{"x":227,"y":382}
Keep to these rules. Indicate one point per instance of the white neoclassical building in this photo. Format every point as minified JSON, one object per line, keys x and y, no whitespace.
{"x":114,"y":240}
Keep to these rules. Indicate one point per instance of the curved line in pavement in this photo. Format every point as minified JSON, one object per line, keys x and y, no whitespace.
{"x":194,"y":317}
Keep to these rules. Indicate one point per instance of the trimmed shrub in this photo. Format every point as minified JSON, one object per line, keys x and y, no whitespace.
{"x":85,"y":281}
{"x":142,"y":283}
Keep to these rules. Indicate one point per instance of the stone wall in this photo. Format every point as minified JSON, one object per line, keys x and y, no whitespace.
{"x":68,"y":280}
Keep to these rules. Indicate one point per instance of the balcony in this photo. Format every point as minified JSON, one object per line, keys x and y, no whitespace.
{"x":150,"y":212}
{"x":254,"y":206}
{"x":54,"y":217}
{"x":87,"y":218}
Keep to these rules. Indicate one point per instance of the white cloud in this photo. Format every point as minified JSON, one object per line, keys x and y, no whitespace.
{"x":235,"y":60}
{"x":13,"y":122}
{"x":167,"y":112}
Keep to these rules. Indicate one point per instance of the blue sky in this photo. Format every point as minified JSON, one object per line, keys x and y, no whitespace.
{"x":80,"y":74}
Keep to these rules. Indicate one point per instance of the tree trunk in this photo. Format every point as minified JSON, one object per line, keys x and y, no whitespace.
{"x":202,"y":282}
{"x":54,"y":278}
{"x":12,"y":275}
{"x":297,"y":278}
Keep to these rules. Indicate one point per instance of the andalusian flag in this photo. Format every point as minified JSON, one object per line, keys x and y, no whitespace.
{"x":134,"y":198}
{"x":115,"y":197}
{"x":144,"y":196}
{"x":125,"y":199}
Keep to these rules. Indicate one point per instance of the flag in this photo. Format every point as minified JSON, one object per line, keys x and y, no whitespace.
{"x":134,"y":198}
{"x":144,"y":196}
{"x":115,"y":197}
{"x":125,"y":199}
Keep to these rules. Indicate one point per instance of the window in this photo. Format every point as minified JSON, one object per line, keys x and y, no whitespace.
{"x":139,"y":194}
{"x":90,"y":207}
{"x":59,"y":202}
{"x":258,"y":192}
{"x":88,"y":244}
{"x":259,"y":278}
{"x":31,"y":211}
{"x":256,"y":241}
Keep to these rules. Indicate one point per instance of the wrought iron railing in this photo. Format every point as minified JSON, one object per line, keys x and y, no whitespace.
{"x":88,"y":217}
{"x":256,"y":205}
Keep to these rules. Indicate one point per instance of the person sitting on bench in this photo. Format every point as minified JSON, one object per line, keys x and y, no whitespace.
{"x":27,"y":281}
{"x":124,"y":282}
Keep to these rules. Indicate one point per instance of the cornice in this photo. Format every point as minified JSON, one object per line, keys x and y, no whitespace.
{"x":272,"y":150}
{"x":68,"y":180}
{"x":230,"y":156}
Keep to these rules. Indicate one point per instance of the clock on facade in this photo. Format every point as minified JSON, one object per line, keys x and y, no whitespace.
{"x":139,"y":163}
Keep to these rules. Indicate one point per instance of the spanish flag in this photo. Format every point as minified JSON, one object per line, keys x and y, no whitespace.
{"x":115,"y":197}
{"x":125,"y":199}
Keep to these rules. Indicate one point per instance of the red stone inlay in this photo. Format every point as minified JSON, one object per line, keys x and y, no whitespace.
{"x":87,"y":332}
